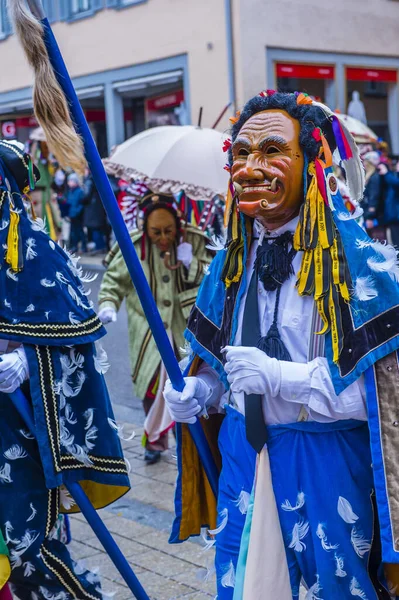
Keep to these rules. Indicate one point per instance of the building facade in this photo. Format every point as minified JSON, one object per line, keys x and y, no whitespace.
{"x":140,"y":63}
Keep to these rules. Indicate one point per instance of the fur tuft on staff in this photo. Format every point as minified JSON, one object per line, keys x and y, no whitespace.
{"x":50,"y":105}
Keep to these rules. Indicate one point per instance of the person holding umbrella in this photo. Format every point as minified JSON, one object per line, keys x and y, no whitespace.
{"x":160,"y":242}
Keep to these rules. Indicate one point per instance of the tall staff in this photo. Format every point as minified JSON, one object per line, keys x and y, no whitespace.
{"x":54,"y":114}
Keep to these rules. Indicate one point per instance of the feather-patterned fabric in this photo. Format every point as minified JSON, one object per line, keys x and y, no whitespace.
{"x":345,"y":511}
{"x":360,"y":545}
{"x":299,"y":532}
{"x":300,"y":502}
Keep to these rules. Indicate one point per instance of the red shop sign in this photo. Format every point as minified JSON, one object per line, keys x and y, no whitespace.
{"x":26,"y":122}
{"x":165,"y":101}
{"x":305,"y":71}
{"x":355,"y":74}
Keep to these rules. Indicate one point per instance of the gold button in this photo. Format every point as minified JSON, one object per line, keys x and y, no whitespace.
{"x":167,"y":303}
{"x":165,"y":325}
{"x":166,"y":278}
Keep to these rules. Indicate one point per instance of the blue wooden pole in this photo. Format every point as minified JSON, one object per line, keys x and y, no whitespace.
{"x":92,"y":517}
{"x":122,"y":235}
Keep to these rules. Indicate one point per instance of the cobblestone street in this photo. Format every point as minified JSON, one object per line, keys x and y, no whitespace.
{"x":140,"y":523}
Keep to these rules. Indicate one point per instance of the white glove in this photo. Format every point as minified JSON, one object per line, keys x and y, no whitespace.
{"x":251,"y":371}
{"x":107,"y":315}
{"x":184,"y":406}
{"x":14,"y":370}
{"x":185,"y":254}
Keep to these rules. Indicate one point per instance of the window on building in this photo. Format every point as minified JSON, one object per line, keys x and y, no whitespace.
{"x":80,"y":6}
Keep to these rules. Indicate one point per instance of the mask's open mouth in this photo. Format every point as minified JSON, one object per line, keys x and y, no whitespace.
{"x":267,"y":186}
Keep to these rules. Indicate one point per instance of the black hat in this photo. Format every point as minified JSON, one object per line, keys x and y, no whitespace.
{"x":20,"y":165}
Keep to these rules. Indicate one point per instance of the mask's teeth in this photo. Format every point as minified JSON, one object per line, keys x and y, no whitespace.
{"x":238,"y":188}
{"x":273,"y":185}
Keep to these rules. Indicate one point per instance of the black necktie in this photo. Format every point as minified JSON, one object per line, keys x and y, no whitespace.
{"x":274,"y":265}
{"x":254,"y":422}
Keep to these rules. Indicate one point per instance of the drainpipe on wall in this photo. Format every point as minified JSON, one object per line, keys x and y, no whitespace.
{"x":230,"y":53}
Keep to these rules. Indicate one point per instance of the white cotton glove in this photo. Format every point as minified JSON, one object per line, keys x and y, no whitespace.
{"x":14,"y":370}
{"x":251,"y":371}
{"x":107,"y":315}
{"x":185,"y":254}
{"x":184,"y":406}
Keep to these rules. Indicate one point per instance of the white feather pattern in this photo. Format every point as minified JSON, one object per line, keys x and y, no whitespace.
{"x":216,"y":243}
{"x":339,"y":562}
{"x":360,"y":545}
{"x":73,"y":320}
{"x":5,"y":474}
{"x":91,"y":437}
{"x":345,"y":511}
{"x":66,"y":499}
{"x":89,"y":416}
{"x":28,"y":569}
{"x":33,"y":513}
{"x":4,"y":224}
{"x":119,"y":430}
{"x":208,"y":542}
{"x":314,"y":590}
{"x":26,"y":434}
{"x":39,"y":225}
{"x":349,"y":216}
{"x":8,"y":530}
{"x":101,"y":363}
{"x":15,"y":452}
{"x":356,"y":590}
{"x":300,"y":501}
{"x":51,"y":244}
{"x":7,"y":304}
{"x":365,"y":289}
{"x":11,"y":275}
{"x":299,"y":532}
{"x":229,"y":578}
{"x":30,"y":249}
{"x":242,"y":502}
{"x":323,"y":539}
{"x":224,"y":518}
{"x":47,"y":283}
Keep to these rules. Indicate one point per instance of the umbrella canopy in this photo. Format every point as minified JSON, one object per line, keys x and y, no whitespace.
{"x":359,"y":130}
{"x":37,"y":135}
{"x":174,"y":158}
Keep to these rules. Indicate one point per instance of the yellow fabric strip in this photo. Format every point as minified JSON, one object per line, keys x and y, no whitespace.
{"x":335,"y":262}
{"x":321,"y":221}
{"x":12,"y":256}
{"x":305,"y":270}
{"x":334,"y":327}
{"x":320,"y":308}
{"x":318,"y":271}
{"x":5,"y":570}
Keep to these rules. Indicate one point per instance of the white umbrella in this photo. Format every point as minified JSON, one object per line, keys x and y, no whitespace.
{"x":174,"y":158}
{"x":37,"y":135}
{"x":359,"y":130}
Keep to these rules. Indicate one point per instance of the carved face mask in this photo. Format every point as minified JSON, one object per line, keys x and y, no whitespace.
{"x":161,"y":229}
{"x":267,"y":169}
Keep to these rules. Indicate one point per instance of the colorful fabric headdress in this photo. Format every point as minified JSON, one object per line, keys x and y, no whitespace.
{"x":324,"y":272}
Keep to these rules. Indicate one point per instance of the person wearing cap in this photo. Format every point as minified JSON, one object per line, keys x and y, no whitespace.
{"x":174,"y":260}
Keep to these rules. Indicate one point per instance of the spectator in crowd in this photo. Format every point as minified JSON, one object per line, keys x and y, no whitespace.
{"x":372,"y":203}
{"x":75,"y":201}
{"x":390,"y":185}
{"x":59,"y":186}
{"x":94,"y":216}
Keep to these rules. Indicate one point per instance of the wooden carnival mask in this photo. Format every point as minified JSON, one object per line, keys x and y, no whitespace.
{"x":162,"y":229}
{"x":267,"y":169}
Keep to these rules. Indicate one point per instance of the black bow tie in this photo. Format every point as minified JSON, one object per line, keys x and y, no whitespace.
{"x":274,"y":258}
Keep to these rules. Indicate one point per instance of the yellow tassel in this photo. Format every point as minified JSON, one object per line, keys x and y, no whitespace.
{"x":334,"y":327}
{"x":12,"y":256}
{"x":227,"y":208}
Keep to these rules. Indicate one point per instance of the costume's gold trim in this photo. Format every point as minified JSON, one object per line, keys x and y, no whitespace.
{"x":55,"y":444}
{"x":74,"y":581}
{"x":47,"y":330}
{"x":143,"y":349}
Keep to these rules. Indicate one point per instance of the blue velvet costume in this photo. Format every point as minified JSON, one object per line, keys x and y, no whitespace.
{"x":43,"y":305}
{"x":371,"y":343}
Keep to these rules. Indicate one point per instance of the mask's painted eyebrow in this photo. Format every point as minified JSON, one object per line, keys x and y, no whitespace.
{"x":242,"y":143}
{"x":273,"y":139}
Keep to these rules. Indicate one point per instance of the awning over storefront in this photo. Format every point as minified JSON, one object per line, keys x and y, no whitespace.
{"x":304,"y":71}
{"x":361,"y":74}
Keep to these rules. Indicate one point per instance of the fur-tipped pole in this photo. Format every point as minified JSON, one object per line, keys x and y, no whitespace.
{"x":50,"y":106}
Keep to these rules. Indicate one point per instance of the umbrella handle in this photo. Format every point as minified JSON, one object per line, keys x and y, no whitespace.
{"x":168,"y":265}
{"x":167,"y":254}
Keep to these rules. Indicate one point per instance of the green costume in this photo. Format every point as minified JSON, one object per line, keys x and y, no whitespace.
{"x":174,"y":291}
